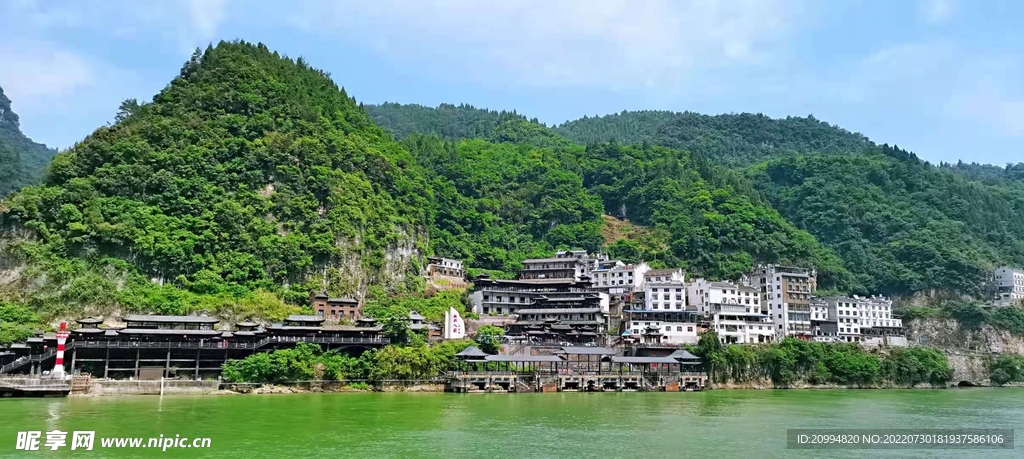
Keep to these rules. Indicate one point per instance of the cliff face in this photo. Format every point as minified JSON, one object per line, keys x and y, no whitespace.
{"x":969,"y":350}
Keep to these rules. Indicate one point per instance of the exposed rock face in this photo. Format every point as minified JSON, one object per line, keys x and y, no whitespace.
{"x":969,"y":351}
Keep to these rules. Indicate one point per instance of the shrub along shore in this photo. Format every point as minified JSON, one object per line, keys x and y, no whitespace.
{"x":789,"y":364}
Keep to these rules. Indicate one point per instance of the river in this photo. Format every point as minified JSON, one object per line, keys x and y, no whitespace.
{"x":713,"y":424}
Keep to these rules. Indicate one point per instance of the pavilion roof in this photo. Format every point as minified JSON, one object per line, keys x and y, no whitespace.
{"x":584,"y":350}
{"x":523,"y":358}
{"x":471,"y":351}
{"x":171,"y":319}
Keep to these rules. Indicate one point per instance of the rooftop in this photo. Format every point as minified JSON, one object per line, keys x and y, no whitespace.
{"x":584,"y":350}
{"x":303,"y":318}
{"x":471,"y":351}
{"x":643,"y":360}
{"x":171,"y":319}
{"x":683,"y":354}
{"x":522,"y":311}
{"x":663,"y":272}
{"x":164,"y":331}
{"x":550,"y":260}
{"x":523,"y":358}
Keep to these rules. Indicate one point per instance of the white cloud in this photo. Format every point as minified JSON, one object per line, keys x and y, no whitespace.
{"x":936,"y":11}
{"x":188,"y":23}
{"x":597,"y":43}
{"x":35,"y":71}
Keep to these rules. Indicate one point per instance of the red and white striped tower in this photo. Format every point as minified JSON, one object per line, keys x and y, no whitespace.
{"x":62,"y":337}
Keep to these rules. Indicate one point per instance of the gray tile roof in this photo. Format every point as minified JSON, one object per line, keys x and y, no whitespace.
{"x":301,"y":318}
{"x":170,"y":319}
{"x":584,"y":350}
{"x":523,"y":358}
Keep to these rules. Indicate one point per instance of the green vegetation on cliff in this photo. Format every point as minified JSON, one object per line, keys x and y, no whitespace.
{"x":794,"y":362}
{"x":900,"y":225}
{"x":249,"y":172}
{"x":21,"y":160}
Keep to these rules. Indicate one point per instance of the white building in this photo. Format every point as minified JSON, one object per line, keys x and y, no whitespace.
{"x":661,"y":327}
{"x":1010,"y":282}
{"x":701,"y":294}
{"x":740,"y":324}
{"x":860,"y":319}
{"x":665,"y":289}
{"x":618,"y":278}
{"x":786,"y":296}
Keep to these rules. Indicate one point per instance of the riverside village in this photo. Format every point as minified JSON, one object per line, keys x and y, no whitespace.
{"x":573,"y":322}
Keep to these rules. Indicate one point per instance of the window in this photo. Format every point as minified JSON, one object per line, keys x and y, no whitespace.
{"x":679,"y":328}
{"x":689,"y":329}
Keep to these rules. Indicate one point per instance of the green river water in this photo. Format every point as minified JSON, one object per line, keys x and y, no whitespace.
{"x":713,"y":424}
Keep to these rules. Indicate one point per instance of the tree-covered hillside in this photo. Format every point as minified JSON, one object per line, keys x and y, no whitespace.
{"x":900,"y":224}
{"x":527,"y":190}
{"x":249,"y":171}
{"x":940,"y":227}
{"x":446,"y":120}
{"x":21,"y":160}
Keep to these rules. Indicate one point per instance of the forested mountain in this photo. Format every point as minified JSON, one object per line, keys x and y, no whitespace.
{"x":248,"y":172}
{"x":1011,"y":174}
{"x":446,"y":120}
{"x":900,"y":224}
{"x":21,"y":159}
{"x":729,"y":139}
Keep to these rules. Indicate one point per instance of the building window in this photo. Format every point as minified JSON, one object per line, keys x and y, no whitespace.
{"x":689,"y":329}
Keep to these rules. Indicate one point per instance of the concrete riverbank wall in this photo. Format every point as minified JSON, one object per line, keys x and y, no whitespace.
{"x":101,"y":387}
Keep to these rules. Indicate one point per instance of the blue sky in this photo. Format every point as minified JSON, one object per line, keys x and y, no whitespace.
{"x":934,"y":76}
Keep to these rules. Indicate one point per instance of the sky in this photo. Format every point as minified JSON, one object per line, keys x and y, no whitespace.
{"x":932,"y":76}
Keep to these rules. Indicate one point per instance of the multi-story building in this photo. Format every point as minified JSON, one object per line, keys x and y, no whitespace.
{"x":733,"y":311}
{"x":1010,"y":282}
{"x":445,"y":273}
{"x":739,"y":323}
{"x":331,"y":308}
{"x":590,"y":261}
{"x":661,"y":327}
{"x":504,"y":297}
{"x":845,"y":318}
{"x":573,"y":319}
{"x":617,"y":278}
{"x":552,"y":268}
{"x":786,"y":296}
{"x":665,"y":289}
{"x":858,"y":319}
{"x":821,"y":328}
{"x":701,"y":294}
{"x":879,"y":324}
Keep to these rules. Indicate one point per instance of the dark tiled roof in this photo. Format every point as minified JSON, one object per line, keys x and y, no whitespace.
{"x":584,"y":350}
{"x":642,"y":360}
{"x":343,"y":300}
{"x":247,"y":324}
{"x":523,"y":358}
{"x":413,"y":315}
{"x":87,"y":330}
{"x":170,"y":319}
{"x":162,"y":331}
{"x":301,"y":318}
{"x":683,"y":354}
{"x":89,"y":320}
{"x":558,"y":311}
{"x":471,"y":351}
